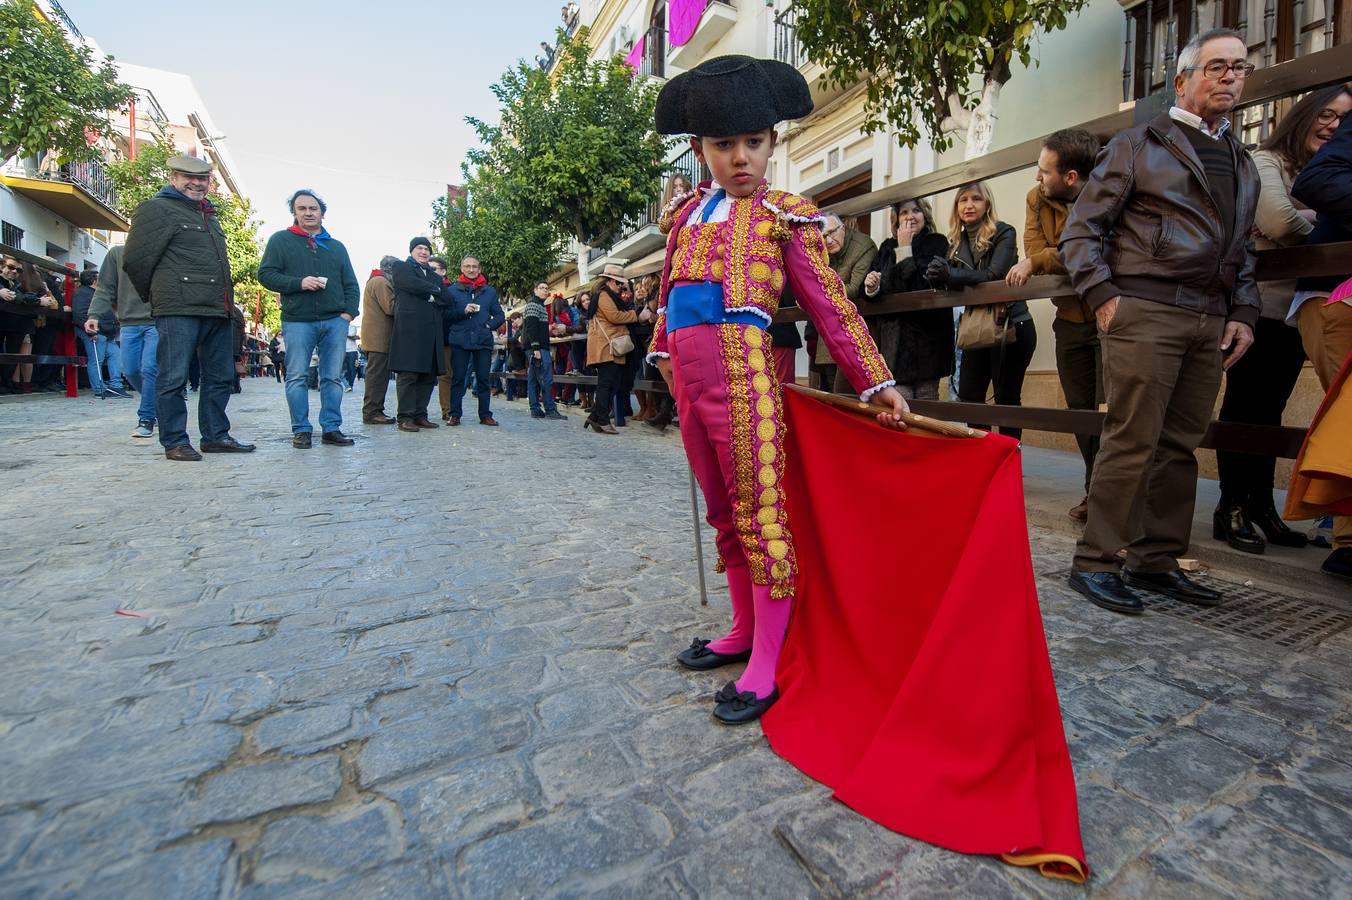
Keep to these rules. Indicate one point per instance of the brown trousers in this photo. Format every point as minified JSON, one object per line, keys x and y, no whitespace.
{"x":444,"y":383}
{"x":1326,"y":333}
{"x":377,"y":384}
{"x":1161,"y":374}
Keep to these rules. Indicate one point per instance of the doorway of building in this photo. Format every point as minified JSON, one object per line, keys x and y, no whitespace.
{"x":853,"y":187}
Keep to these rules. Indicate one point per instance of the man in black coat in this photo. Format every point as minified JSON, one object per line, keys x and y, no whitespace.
{"x":416,"y":341}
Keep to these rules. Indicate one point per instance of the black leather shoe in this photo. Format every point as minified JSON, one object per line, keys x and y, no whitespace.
{"x":1174,"y":585}
{"x":337,"y":438}
{"x":1230,"y":523}
{"x":1339,"y":563}
{"x":226,"y":444}
{"x":726,"y":693}
{"x":302,"y":440}
{"x":744,"y":707}
{"x":1263,"y":513}
{"x":698,"y":656}
{"x":182,"y":453}
{"x":1106,"y":589}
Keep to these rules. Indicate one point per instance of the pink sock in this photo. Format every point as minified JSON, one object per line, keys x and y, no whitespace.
{"x":743,"y":613}
{"x":772,"y":623}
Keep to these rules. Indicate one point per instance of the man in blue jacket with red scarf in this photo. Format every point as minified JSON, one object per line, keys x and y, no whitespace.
{"x":474,"y":314}
{"x":320,"y":297}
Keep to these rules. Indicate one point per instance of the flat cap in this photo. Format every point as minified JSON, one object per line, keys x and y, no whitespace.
{"x":730,"y":95}
{"x":189,"y":164}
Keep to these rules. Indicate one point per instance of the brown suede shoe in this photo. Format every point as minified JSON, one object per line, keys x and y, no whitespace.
{"x":409,"y":427}
{"x":182,"y":453}
{"x":425,"y":423}
{"x":453,"y":420}
{"x":1080,"y":513}
{"x":487,"y":420}
{"x":379,"y":420}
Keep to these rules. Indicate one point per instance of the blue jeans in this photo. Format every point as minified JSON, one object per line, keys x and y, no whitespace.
{"x":350,"y":368}
{"x":138,"y":364}
{"x":461,"y":362}
{"x":540,"y":381}
{"x":211,"y":341}
{"x":330,"y":335}
{"x":101,"y":350}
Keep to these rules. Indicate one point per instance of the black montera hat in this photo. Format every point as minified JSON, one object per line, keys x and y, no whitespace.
{"x":730,"y":95}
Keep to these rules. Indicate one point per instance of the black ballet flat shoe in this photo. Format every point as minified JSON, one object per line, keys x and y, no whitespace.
{"x":727,"y":693}
{"x":744,"y":707}
{"x":699,"y":657}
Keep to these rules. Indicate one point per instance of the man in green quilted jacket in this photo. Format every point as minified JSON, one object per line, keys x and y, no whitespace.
{"x":175,"y":257}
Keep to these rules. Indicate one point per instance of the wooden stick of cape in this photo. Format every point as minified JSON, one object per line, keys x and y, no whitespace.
{"x":873,"y":407}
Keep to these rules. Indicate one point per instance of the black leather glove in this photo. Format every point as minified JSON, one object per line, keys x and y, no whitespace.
{"x":937,"y":272}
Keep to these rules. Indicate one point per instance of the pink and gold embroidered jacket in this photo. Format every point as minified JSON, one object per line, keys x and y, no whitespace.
{"x":769,"y":239}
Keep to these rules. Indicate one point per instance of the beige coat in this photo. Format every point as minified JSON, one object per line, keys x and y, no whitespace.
{"x":607,"y":322}
{"x":377,"y":315}
{"x":1280,"y":224}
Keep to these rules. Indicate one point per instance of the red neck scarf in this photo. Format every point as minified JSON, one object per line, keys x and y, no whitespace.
{"x":314,"y":240}
{"x":476,"y":283}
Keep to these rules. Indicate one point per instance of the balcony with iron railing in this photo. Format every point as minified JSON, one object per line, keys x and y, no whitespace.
{"x":653,"y":63}
{"x":639,"y":234}
{"x":787,"y":49}
{"x":80,"y":192}
{"x":716,"y":20}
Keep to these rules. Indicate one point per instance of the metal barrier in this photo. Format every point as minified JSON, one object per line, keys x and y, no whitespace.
{"x":69,"y":357}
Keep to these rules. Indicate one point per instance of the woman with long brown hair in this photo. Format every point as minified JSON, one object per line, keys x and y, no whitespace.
{"x":1258,"y":387}
{"x":982,"y":248}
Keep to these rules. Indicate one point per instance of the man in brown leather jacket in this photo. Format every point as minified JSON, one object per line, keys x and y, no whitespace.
{"x":1158,"y":245}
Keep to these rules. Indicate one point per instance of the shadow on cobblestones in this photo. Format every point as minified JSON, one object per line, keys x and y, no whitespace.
{"x":440,"y":665}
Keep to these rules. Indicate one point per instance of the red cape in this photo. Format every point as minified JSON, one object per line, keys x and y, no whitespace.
{"x":915,"y":679}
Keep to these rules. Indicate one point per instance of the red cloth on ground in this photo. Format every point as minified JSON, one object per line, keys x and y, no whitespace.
{"x":915,"y":680}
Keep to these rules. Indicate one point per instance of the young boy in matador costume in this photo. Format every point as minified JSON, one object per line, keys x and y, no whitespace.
{"x":732,"y":246}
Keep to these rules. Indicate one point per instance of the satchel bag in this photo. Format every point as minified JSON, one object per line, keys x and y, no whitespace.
{"x":982,"y":327}
{"x":621,"y":344}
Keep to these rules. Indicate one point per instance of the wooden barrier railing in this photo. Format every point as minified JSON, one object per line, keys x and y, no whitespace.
{"x":70,"y":357}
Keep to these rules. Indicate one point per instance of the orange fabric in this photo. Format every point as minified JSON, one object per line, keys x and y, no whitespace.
{"x":915,"y":679}
{"x":1321,"y":479}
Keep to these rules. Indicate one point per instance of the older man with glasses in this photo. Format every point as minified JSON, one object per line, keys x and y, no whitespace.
{"x":1158,"y":245}
{"x":176,"y":258}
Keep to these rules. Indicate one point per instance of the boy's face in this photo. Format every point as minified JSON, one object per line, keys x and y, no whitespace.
{"x":738,"y":163}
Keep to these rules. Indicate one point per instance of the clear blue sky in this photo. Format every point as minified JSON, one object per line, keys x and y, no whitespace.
{"x":364,"y":102}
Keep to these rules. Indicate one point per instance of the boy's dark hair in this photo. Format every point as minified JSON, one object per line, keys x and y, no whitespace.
{"x":88,"y":277}
{"x":1075,"y":149}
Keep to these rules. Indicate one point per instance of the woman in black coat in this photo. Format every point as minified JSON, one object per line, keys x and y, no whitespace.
{"x":918,"y":346}
{"x":982,"y":248}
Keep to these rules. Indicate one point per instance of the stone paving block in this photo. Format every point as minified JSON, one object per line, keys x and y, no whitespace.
{"x":365,"y":675}
{"x":480,"y":796}
{"x":252,"y":790}
{"x":1116,"y":829}
{"x":677,"y":735}
{"x":1295,"y":698}
{"x":1106,"y":713}
{"x":1154,"y":701}
{"x":1323,"y":777}
{"x":1323,"y":824}
{"x":581,"y":769}
{"x":303,"y":729}
{"x":737,"y":785}
{"x":581,"y":707}
{"x":845,"y":851}
{"x":1226,"y":847}
{"x":563,"y":851}
{"x":1183,"y":768}
{"x":515,"y":678}
{"x":751,"y":864}
{"x":328,"y":847}
{"x":195,"y":871}
{"x":952,"y":875}
{"x":105,"y":831}
{"x":458,"y":731}
{"x":1254,"y":735}
{"x":448,"y":626}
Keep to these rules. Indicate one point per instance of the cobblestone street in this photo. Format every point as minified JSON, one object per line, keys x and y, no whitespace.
{"x":441,"y":665}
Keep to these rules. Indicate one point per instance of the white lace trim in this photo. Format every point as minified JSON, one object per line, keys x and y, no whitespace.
{"x":651,"y":358}
{"x":792,"y":217}
{"x":864,"y":397}
{"x":675,"y":202}
{"x":754,"y":310}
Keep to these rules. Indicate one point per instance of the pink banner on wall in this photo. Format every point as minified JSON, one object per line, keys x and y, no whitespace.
{"x":683,"y":19}
{"x":636,"y":55}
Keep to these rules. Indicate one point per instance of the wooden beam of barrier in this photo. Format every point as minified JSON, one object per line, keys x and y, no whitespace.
{"x":1295,"y":76}
{"x":1263,"y":440}
{"x":1286,"y":262}
{"x":40,"y":360}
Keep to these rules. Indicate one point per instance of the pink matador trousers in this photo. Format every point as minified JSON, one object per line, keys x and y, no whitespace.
{"x":732,"y":425}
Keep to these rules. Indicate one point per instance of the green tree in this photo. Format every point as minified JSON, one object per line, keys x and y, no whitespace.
{"x":51,"y":93}
{"x":516,"y":251}
{"x":139,"y":179}
{"x":932,"y":64}
{"x":576,"y":151}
